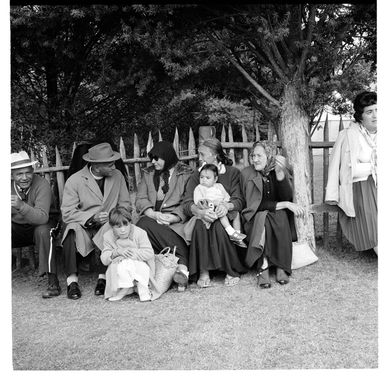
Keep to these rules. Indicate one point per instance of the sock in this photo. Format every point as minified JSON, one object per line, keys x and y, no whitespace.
{"x":230,"y":230}
{"x":102,"y":276}
{"x":265,"y":264}
{"x":72,"y":278}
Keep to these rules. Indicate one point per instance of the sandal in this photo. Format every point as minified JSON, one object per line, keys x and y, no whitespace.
{"x":204,"y":283}
{"x":230,"y":281}
{"x":237,"y":236}
{"x":240,"y":244}
{"x":264,"y":279}
{"x":282,"y":277}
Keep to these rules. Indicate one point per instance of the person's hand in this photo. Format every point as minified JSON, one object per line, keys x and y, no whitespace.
{"x":221,"y":210}
{"x":208,"y":215}
{"x":16,"y":202}
{"x":169,"y":218}
{"x":280,"y":167}
{"x":162,"y":218}
{"x":101,"y":217}
{"x":118,"y":259}
{"x":126,"y":253}
{"x":296,"y":209}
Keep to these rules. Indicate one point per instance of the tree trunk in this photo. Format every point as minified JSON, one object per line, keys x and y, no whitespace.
{"x":295,"y":143}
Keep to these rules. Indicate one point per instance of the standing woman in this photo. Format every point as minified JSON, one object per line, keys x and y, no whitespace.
{"x":352,"y":181}
{"x":159,"y":201}
{"x":212,"y":249}
{"x":268,"y":215}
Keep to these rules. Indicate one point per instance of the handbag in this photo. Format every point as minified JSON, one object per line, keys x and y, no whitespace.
{"x":302,"y":255}
{"x":166,"y":263}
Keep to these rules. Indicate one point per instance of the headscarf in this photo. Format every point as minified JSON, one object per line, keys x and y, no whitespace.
{"x":271,"y":151}
{"x":166,"y":152}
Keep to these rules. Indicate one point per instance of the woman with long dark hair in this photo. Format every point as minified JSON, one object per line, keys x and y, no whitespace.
{"x":159,"y":202}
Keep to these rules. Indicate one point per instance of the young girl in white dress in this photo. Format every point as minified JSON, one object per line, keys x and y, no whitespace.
{"x":129,"y":256}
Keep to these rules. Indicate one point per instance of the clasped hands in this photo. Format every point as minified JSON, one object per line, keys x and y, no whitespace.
{"x":211,"y":215}
{"x":119,"y":254}
{"x":16,"y":202}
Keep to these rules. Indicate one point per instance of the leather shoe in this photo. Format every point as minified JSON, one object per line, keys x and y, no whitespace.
{"x":53,"y":289}
{"x":73,"y":291}
{"x":264,"y":279}
{"x":100,"y":287}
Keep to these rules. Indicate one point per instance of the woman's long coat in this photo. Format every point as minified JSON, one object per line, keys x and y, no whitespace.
{"x":82,"y":199}
{"x":252,"y":190}
{"x":172,"y":202}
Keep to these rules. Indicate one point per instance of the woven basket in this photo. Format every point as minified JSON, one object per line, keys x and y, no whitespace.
{"x":166,"y":263}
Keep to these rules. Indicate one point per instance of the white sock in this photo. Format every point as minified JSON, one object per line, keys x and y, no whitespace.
{"x":265,"y":264}
{"x":72,"y":278}
{"x":183,"y":268}
{"x":230,"y":230}
{"x":102,"y":276}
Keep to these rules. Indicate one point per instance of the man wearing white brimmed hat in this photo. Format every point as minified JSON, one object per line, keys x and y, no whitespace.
{"x":88,"y":197}
{"x":30,"y":203}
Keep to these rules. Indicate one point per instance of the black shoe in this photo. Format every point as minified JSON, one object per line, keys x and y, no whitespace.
{"x":100,"y":287}
{"x":73,"y":291}
{"x":53,"y":289}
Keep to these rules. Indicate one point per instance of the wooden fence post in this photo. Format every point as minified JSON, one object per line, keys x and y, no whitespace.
{"x":257,"y":134}
{"x":245,"y":152}
{"x":136,"y":164}
{"x":176,"y":142}
{"x":325,"y":179}
{"x":223,"y":135}
{"x":47,"y":176}
{"x":149,"y":146}
{"x":59,"y":176}
{"x":231,"y":140}
{"x":191,"y":148}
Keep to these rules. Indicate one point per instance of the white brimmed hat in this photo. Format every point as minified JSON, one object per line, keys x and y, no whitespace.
{"x":21,"y":160}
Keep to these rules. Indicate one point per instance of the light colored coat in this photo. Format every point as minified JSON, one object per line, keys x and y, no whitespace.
{"x":339,"y":189}
{"x":172,"y":202}
{"x":82,"y":199}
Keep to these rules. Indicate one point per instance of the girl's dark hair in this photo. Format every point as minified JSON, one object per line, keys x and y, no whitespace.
{"x":216,"y":146}
{"x":119,"y":216}
{"x":211,"y":167}
{"x":363,"y":100}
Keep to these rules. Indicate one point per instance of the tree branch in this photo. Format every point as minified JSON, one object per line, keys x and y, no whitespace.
{"x":310,"y":29}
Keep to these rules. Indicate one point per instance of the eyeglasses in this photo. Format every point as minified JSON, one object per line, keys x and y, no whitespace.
{"x":151,"y":157}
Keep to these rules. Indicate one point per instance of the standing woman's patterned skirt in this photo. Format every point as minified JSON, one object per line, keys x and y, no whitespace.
{"x":361,"y":231}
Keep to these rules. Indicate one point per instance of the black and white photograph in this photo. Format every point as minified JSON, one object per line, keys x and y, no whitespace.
{"x":193,"y":188}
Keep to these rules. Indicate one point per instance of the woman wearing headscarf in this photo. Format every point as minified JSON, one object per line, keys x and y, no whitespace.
{"x":159,"y":202}
{"x":352,"y":180}
{"x":211,"y":249}
{"x":268,"y":215}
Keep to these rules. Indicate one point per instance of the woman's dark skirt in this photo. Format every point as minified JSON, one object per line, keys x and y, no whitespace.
{"x":278,"y":247}
{"x":361,"y":231}
{"x":211,"y":249}
{"x":162,"y":236}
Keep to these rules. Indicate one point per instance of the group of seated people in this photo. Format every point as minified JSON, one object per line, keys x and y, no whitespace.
{"x":218,"y":218}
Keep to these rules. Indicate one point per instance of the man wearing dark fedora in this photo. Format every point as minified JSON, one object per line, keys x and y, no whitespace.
{"x":88,"y":197}
{"x":30,"y":203}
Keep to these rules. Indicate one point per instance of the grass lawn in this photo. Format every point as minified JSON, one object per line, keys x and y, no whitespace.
{"x":326,"y":317}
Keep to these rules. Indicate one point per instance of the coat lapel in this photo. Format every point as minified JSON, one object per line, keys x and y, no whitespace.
{"x":91,"y":184}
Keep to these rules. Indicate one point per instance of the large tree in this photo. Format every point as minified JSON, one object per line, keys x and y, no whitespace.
{"x":293,"y":57}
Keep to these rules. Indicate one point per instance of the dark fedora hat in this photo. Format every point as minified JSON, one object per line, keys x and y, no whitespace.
{"x":101,"y":153}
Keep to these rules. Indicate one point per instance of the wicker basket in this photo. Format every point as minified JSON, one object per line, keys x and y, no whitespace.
{"x":166,"y":263}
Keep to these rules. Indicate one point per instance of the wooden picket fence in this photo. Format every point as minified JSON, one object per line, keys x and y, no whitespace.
{"x":189,"y":155}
